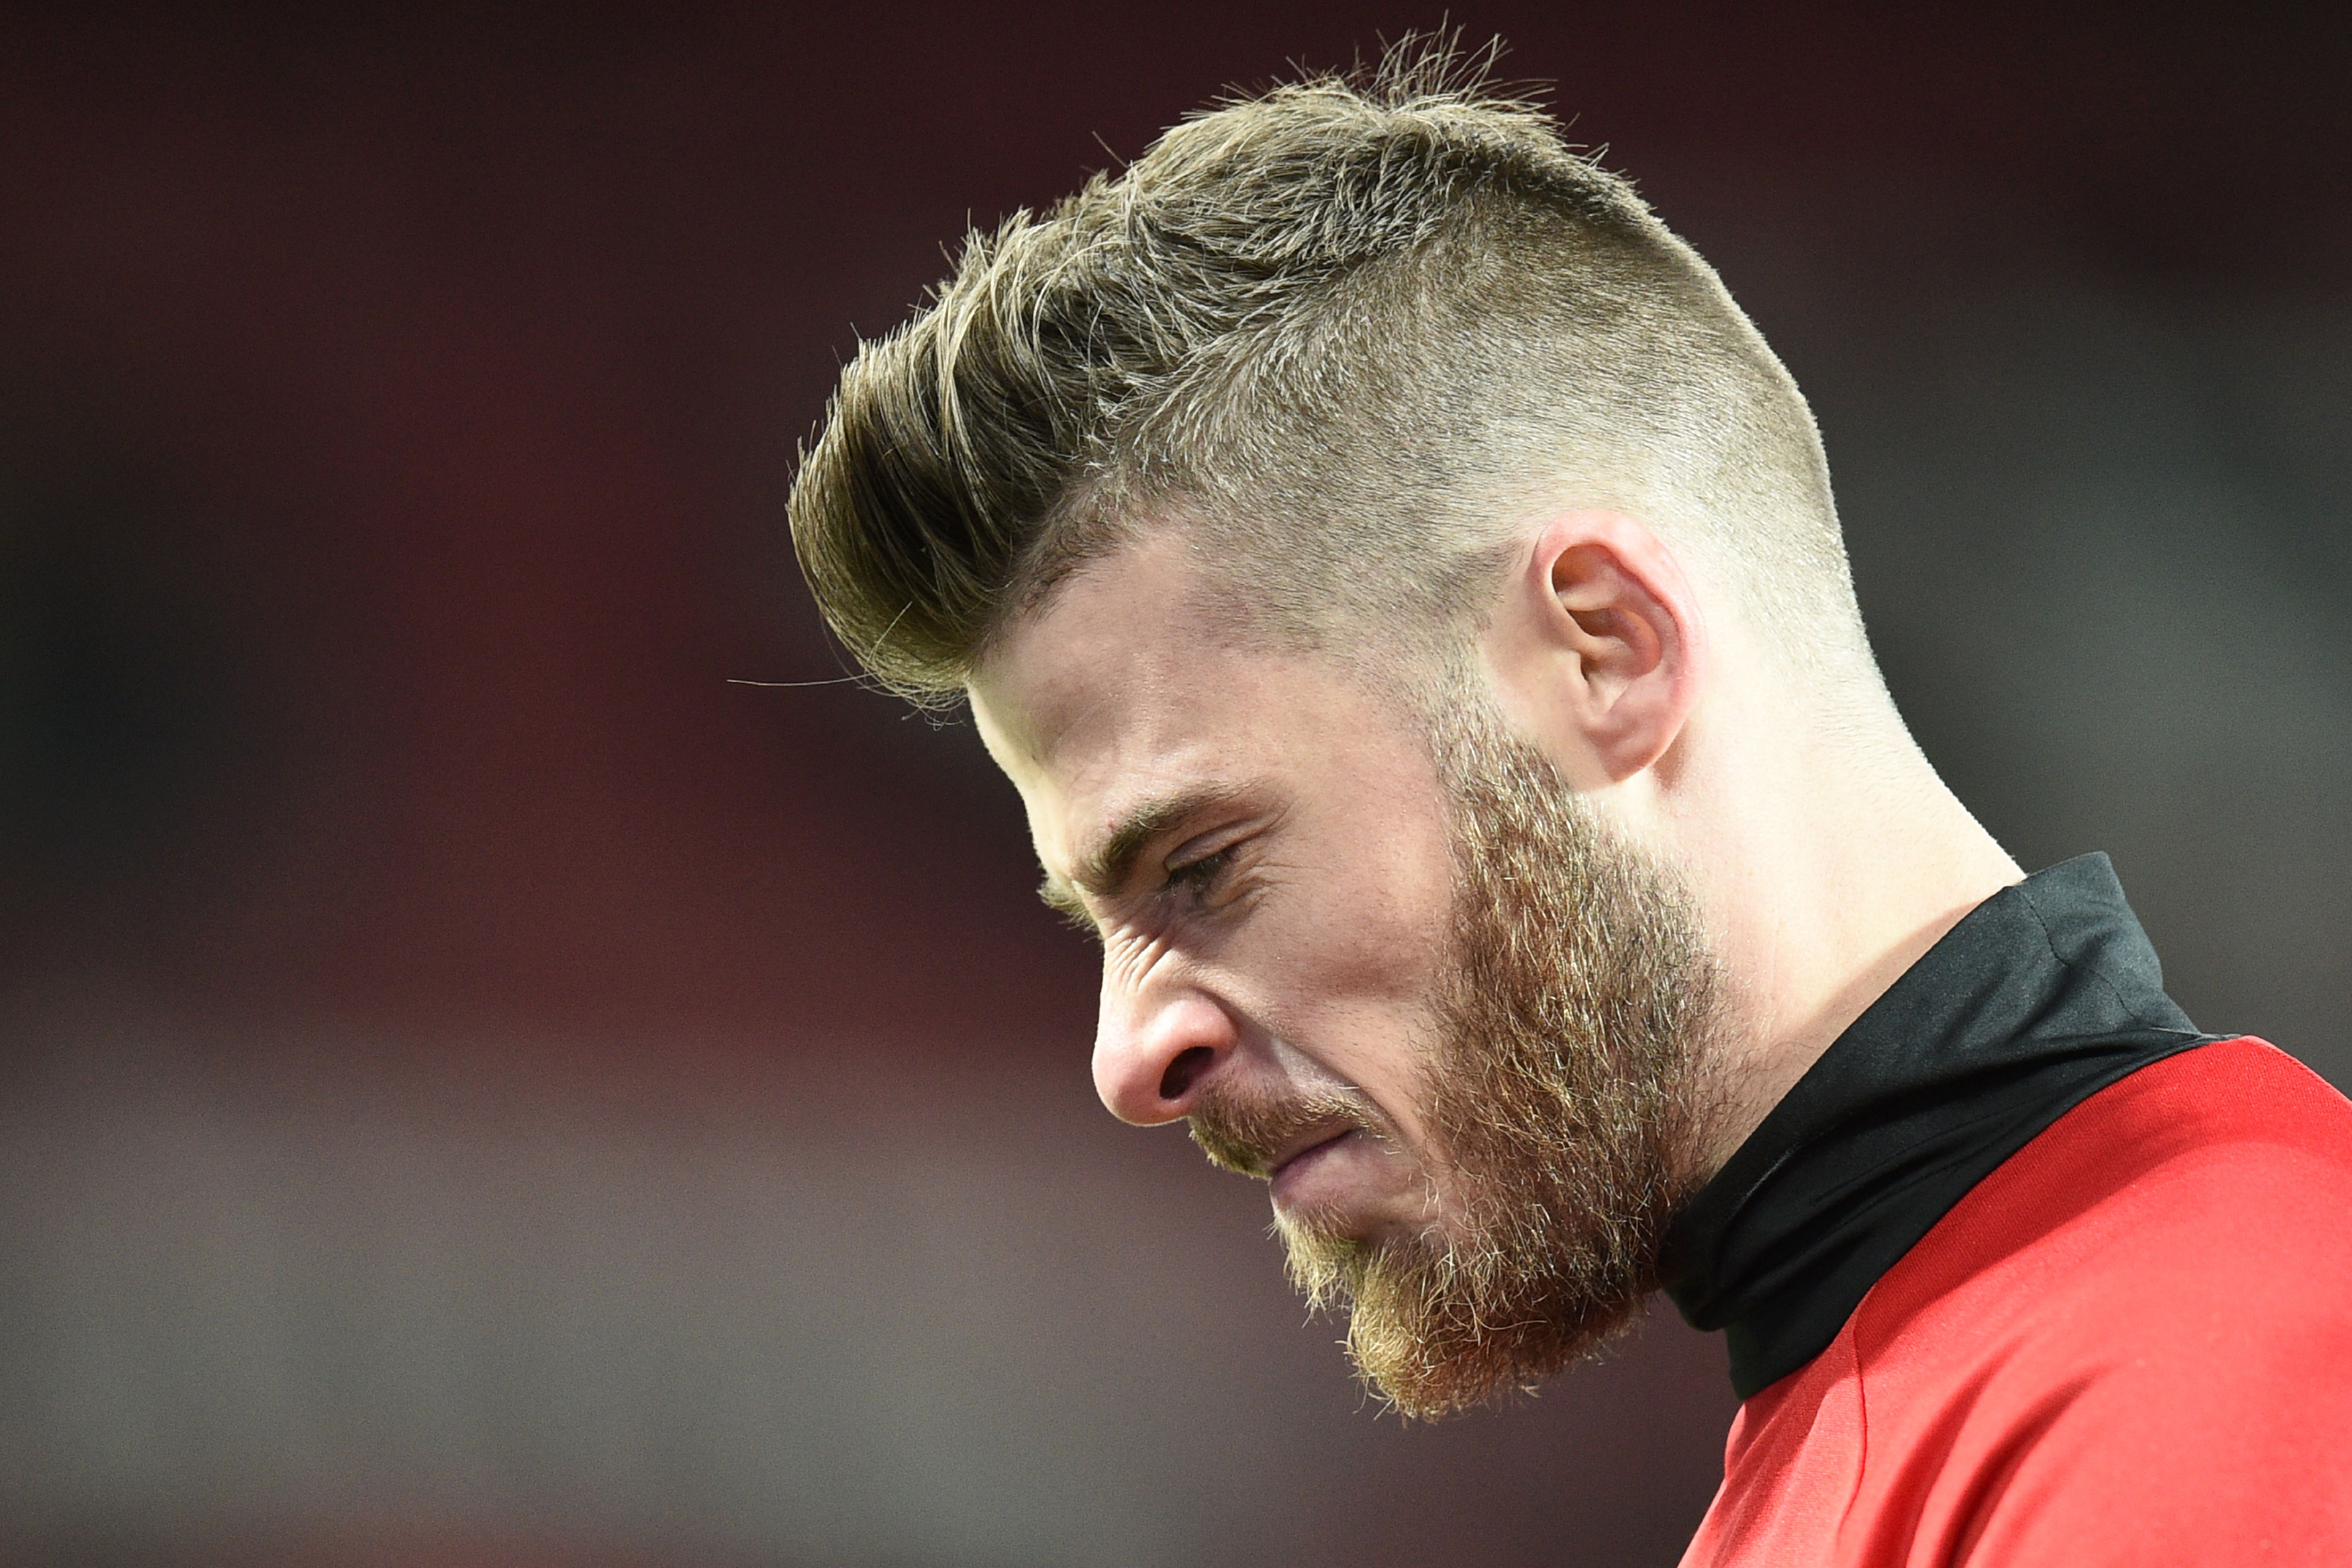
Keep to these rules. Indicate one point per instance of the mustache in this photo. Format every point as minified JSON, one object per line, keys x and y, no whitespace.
{"x":1246,"y":1131}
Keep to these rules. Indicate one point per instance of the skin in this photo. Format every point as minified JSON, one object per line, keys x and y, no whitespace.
{"x":1260,"y":839}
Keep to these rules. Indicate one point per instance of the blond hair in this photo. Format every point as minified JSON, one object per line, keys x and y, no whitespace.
{"x":1351,"y":332}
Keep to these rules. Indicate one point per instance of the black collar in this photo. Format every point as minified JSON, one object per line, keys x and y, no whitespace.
{"x":2043,"y":995}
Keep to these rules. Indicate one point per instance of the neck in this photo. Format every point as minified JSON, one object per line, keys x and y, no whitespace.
{"x":1827,"y":871}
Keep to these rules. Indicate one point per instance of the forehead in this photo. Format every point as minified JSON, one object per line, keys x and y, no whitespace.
{"x":1130,"y":685}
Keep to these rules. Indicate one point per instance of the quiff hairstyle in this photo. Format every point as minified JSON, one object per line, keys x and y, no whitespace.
{"x":1349,"y":336}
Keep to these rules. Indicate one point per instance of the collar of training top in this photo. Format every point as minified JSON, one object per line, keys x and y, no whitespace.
{"x":2040,"y":996}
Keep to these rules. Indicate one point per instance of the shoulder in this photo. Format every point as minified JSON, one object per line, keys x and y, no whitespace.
{"x":2231,"y":1155}
{"x":2132,"y":1340}
{"x":2140,"y":1325}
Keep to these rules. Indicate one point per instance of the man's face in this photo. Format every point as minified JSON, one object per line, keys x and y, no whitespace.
{"x":1390,"y":964}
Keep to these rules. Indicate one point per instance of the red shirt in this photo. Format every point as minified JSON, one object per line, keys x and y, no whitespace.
{"x":2130,"y":1345}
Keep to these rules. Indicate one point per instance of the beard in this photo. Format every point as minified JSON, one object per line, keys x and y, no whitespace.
{"x":1566,"y":1096}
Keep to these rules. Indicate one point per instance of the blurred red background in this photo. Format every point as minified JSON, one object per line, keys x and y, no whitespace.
{"x":478,"y":1077}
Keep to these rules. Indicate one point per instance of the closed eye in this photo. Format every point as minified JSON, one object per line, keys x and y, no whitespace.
{"x":1198,"y":876}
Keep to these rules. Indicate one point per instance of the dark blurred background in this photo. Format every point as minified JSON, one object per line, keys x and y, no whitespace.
{"x":478,"y":1087}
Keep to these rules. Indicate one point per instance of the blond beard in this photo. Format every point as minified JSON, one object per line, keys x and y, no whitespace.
{"x":1567,"y":1097}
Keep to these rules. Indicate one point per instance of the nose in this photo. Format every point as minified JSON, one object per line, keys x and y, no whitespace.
{"x":1153,"y":1052}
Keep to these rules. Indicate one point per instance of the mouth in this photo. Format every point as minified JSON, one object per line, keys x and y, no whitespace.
{"x":1274,"y":1140}
{"x":1293,"y":1166}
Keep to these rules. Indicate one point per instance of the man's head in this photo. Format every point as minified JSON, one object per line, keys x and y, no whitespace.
{"x":1371,"y":542}
{"x":1379,"y":951}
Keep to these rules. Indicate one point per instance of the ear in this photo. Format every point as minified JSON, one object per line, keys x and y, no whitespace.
{"x":1601,"y":647}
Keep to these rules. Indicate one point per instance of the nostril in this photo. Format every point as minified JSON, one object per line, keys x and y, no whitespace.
{"x":1185,"y":1071}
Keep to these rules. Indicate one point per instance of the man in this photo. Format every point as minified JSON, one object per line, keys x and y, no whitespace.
{"x":1406,"y":592}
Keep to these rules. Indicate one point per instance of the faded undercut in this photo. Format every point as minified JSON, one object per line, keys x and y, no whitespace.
{"x":1351,"y":335}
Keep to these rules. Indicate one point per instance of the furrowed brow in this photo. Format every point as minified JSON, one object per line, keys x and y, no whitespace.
{"x":1108,"y":868}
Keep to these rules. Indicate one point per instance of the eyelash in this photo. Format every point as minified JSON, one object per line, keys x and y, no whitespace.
{"x":1198,"y":876}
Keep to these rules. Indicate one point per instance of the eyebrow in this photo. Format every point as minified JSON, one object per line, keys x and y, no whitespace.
{"x":1108,"y":867}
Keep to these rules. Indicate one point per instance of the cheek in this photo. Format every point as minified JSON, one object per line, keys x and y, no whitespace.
{"x":1354,"y":956}
{"x":1386,"y":941}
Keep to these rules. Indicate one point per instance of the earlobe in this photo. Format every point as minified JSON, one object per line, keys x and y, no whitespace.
{"x":1626,"y":640}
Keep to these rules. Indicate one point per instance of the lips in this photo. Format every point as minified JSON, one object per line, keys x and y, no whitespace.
{"x":1263,"y":1135}
{"x":1314,"y":1144}
{"x":1293,"y":1167}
